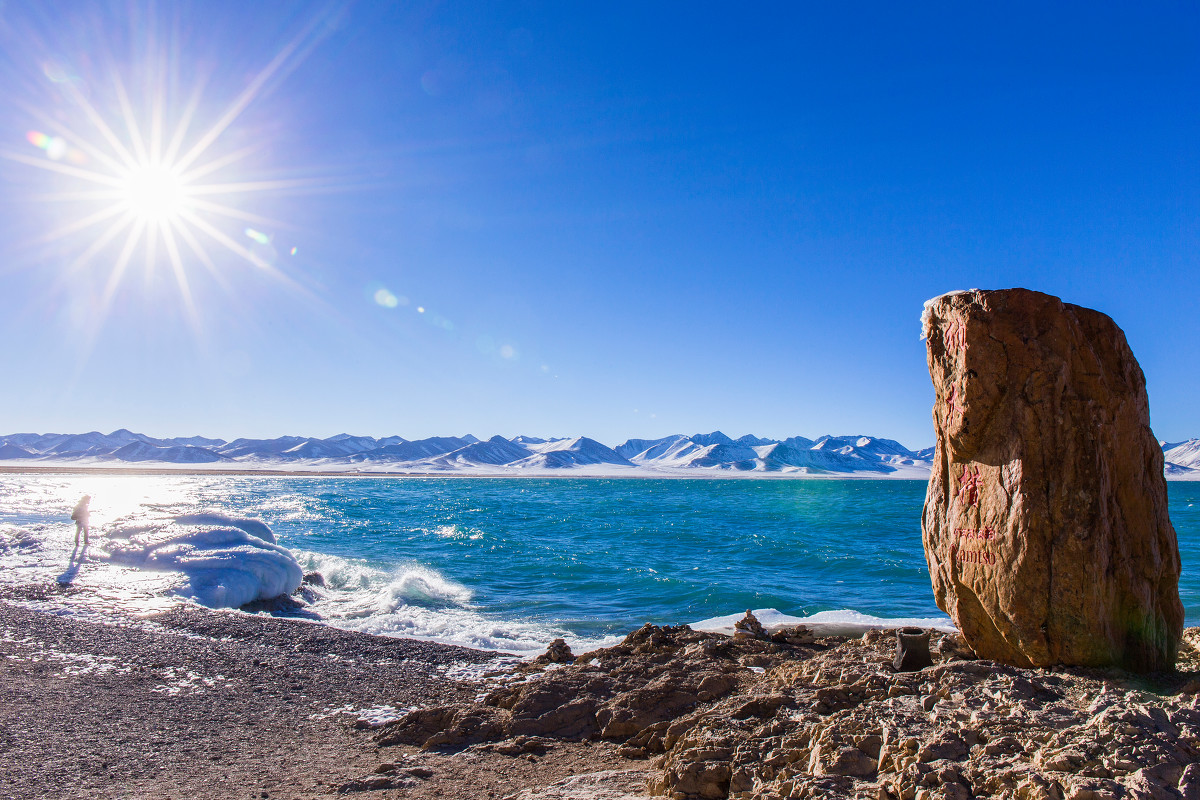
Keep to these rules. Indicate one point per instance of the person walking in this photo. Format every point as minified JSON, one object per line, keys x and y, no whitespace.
{"x":80,"y":515}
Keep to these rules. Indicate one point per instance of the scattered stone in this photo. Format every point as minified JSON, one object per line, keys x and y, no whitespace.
{"x":283,"y":604}
{"x":520,"y":745}
{"x":797,"y":634}
{"x":656,"y":674}
{"x":833,"y":720}
{"x":1046,"y":526}
{"x":313,"y":579}
{"x":952,"y":646}
{"x":374,"y":783}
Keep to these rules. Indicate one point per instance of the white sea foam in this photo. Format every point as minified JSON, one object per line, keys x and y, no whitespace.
{"x":825,"y":623}
{"x":415,"y":601}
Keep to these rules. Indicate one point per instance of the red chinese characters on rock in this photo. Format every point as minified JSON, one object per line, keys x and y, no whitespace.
{"x":968,"y":486}
{"x":986,"y":533}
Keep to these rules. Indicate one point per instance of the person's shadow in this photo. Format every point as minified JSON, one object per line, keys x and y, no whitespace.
{"x":78,"y":556}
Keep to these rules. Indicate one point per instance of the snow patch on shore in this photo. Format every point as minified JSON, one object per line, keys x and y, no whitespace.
{"x":372,"y":717}
{"x":825,"y":623}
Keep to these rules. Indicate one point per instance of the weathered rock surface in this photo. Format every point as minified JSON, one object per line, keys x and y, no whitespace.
{"x":655,"y":675}
{"x":605,"y":785}
{"x":832,"y":719}
{"x":848,"y":727}
{"x":1045,"y":523}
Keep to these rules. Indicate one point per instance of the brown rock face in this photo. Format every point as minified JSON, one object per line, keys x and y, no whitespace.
{"x":1045,"y":522}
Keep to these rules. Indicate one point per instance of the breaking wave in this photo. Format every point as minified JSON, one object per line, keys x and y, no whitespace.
{"x":415,"y":601}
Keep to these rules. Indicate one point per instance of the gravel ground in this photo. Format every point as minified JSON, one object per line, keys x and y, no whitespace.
{"x":204,"y":704}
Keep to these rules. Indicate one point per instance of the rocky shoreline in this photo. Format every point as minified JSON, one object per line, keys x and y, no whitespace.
{"x":795,"y":716}
{"x":202,"y":704}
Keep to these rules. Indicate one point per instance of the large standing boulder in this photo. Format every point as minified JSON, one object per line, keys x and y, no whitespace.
{"x":1045,"y":523}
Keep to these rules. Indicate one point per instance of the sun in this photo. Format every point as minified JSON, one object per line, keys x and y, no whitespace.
{"x":154,"y":193}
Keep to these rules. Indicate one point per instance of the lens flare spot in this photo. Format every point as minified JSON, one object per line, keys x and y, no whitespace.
{"x":55,"y":147}
{"x":57,"y":72}
{"x":257,"y":236}
{"x":507,"y":351}
{"x":386,"y":299}
{"x":420,"y":309}
{"x":293,"y":251}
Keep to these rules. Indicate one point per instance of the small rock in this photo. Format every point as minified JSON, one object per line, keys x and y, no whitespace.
{"x":1002,"y":746}
{"x":1189,"y":782}
{"x":797,"y":634}
{"x":1095,"y":789}
{"x":313,"y":579}
{"x":373,"y":783}
{"x":947,"y":745}
{"x":874,"y":635}
{"x":953,"y":647}
{"x":847,"y":761}
{"x":557,"y":653}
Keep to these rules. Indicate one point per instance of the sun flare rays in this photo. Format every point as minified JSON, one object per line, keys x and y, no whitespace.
{"x":152,"y":176}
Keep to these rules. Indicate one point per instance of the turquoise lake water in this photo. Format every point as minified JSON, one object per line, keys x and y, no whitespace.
{"x":490,"y":560}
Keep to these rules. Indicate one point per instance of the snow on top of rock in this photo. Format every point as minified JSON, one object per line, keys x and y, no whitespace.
{"x":927,"y":310}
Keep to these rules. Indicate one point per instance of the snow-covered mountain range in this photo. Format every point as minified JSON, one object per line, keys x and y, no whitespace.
{"x":1183,"y":458}
{"x":713,"y":453}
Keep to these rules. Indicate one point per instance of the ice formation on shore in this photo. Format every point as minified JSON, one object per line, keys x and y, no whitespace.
{"x":844,"y":622}
{"x":223,"y":567}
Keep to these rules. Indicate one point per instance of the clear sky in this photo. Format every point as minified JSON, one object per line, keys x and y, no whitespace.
{"x":613,"y":220}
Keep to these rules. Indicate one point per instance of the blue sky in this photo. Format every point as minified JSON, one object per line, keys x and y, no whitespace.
{"x":624,"y":220}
